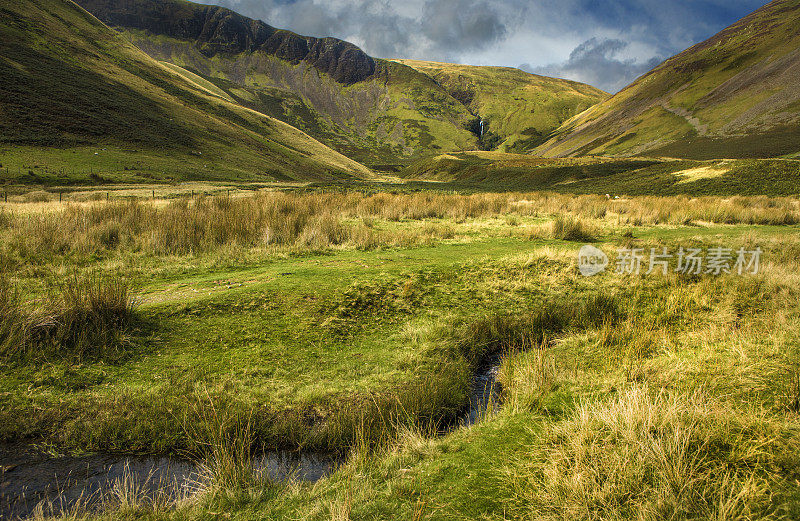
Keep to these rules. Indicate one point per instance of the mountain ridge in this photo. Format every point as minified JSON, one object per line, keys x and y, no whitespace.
{"x":370,"y":109}
{"x":374,"y":110}
{"x":68,"y":82}
{"x":222,"y":30}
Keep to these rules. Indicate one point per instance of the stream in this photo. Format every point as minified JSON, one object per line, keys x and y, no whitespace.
{"x":29,"y":476}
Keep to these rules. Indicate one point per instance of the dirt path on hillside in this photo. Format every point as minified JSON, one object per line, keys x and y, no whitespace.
{"x":701,"y":129}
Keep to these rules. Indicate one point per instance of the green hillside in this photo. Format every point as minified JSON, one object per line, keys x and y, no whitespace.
{"x":369,"y":109}
{"x":519,"y":110}
{"x":736,"y":95}
{"x":496,"y":171}
{"x":78,"y":103}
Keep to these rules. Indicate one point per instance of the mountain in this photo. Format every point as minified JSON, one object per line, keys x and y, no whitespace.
{"x":369,"y":109}
{"x":376,"y":111}
{"x":735,"y":95}
{"x":519,"y":110}
{"x":75,"y":94}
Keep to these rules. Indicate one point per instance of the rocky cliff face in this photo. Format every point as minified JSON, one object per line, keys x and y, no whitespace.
{"x":216,"y":30}
{"x":374,"y":110}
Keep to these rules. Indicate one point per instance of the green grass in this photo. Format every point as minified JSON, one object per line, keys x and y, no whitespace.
{"x":540,"y":456}
{"x":616,"y":432}
{"x":296,"y":335}
{"x":241,"y":346}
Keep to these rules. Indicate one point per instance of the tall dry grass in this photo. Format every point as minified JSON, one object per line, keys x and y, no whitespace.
{"x":569,"y":228}
{"x":528,"y":380}
{"x":322,"y":220}
{"x":80,"y":318}
{"x":650,"y":456}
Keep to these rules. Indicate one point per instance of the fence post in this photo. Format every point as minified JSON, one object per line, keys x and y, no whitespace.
{"x":154,"y":194}
{"x":108,"y":196}
{"x":59,"y":196}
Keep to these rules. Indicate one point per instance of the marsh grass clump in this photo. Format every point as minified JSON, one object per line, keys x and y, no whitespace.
{"x":528,"y":379}
{"x":324,"y":231}
{"x":641,"y":455}
{"x":375,"y":421}
{"x":6,"y":219}
{"x":14,"y":321}
{"x":79,"y":318}
{"x":633,"y":339}
{"x":437,"y":230}
{"x":92,"y":310}
{"x":569,"y":228}
{"x":221,"y":433}
{"x":793,"y":387}
{"x":601,"y":309}
{"x":501,"y":333}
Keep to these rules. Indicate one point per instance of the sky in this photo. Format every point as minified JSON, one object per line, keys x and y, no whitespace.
{"x":607,"y":43}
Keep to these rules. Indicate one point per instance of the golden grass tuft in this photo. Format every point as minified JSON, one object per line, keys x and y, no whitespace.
{"x":528,"y":379}
{"x":644,"y":455}
{"x":80,"y":318}
{"x":568,"y":228}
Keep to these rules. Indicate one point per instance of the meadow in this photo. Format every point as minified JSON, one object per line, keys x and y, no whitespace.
{"x":352,"y":322}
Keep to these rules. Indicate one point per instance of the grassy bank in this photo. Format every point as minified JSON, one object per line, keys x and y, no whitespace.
{"x":655,"y":396}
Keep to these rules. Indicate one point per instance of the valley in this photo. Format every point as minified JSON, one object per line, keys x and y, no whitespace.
{"x":251,"y":274}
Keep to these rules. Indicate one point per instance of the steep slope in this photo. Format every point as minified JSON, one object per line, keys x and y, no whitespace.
{"x":735,"y":95}
{"x":370,"y":109}
{"x":68,"y":82}
{"x":518,"y":109}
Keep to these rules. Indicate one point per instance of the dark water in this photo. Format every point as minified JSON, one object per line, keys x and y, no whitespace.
{"x":485,"y":395}
{"x":29,"y":476}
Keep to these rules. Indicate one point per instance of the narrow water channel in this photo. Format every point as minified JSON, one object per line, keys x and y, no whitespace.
{"x":29,"y":476}
{"x":485,"y":395}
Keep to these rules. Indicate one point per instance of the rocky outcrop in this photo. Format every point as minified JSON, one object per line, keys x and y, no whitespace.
{"x":216,"y":30}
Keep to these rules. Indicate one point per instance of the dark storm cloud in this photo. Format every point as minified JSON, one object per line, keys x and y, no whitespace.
{"x":461,"y":24}
{"x":433,"y":29}
{"x":595,"y":62}
{"x":606,"y":43}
